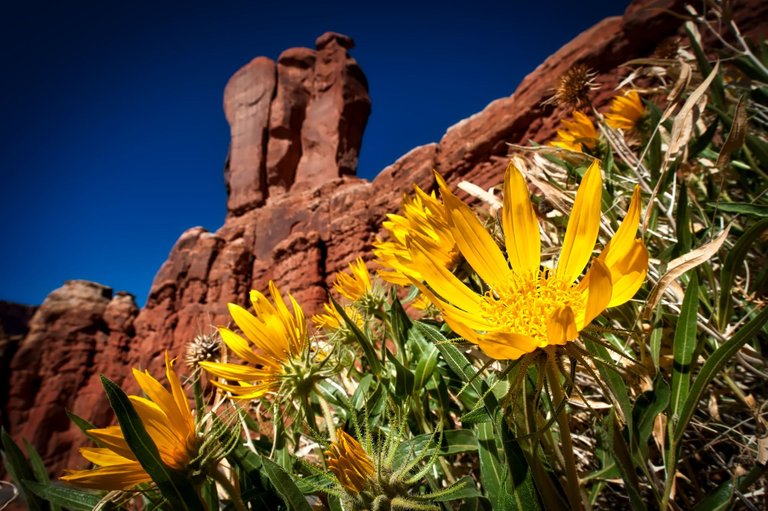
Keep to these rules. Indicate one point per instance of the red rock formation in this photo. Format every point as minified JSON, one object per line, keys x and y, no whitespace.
{"x":296,"y":214}
{"x":82,"y":329}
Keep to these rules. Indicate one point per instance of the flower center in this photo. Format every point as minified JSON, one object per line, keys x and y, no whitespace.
{"x":524,"y":303}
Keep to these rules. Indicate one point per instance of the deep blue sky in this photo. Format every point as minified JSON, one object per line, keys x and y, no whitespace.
{"x":112,"y":136}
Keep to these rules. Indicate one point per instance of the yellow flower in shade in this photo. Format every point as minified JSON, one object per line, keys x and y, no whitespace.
{"x":625,"y":111}
{"x":424,"y":217}
{"x":576,"y":134}
{"x":280,"y":339}
{"x":355,"y":285}
{"x":168,"y":419}
{"x":349,"y":462}
{"x":333,"y":321}
{"x":526,"y":306}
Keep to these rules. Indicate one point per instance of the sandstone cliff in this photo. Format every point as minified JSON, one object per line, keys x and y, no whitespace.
{"x":296,"y":213}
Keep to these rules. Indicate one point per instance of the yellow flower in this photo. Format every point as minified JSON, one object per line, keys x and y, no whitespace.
{"x":356,"y":285}
{"x":279,"y":336}
{"x":576,"y":133}
{"x":424,"y":217}
{"x":349,"y":462}
{"x":526,"y":307}
{"x":625,"y":111}
{"x":332,"y":320}
{"x":169,"y":422}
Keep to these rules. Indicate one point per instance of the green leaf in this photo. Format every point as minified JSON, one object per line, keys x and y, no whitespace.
{"x":741,"y":208}
{"x":523,"y":490}
{"x":732,"y":264}
{"x":712,"y":367}
{"x":684,"y":346}
{"x":403,"y":377}
{"x":172,"y":484}
{"x":38,"y":468}
{"x":399,"y":320}
{"x":617,"y":447}
{"x":455,"y":441}
{"x":722,"y":497}
{"x":425,"y":368}
{"x":81,"y":423}
{"x":479,"y":414}
{"x":17,"y":466}
{"x":365,"y":343}
{"x":683,"y":222}
{"x":464,"y":488}
{"x":66,"y":496}
{"x":493,"y":470}
{"x":616,"y":385}
{"x":647,"y":406}
{"x":285,"y":486}
{"x":655,"y":338}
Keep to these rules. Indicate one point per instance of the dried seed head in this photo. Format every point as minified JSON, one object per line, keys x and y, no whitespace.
{"x":574,"y":87}
{"x":203,"y":348}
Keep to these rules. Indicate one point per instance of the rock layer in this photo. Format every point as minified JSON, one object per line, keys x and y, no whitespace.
{"x":295,"y":213}
{"x":81,"y":330}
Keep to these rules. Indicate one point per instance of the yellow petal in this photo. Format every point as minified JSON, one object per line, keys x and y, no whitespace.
{"x":177,"y":391}
{"x":598,"y":289}
{"x":247,"y":391}
{"x":521,"y":229}
{"x":258,"y":332}
{"x":475,"y":243}
{"x":628,"y":274}
{"x":103,"y":456}
{"x":236,"y":372}
{"x":583,"y":226}
{"x":561,"y":327}
{"x":506,"y":345}
{"x":624,"y":239}
{"x":113,"y":477}
{"x":112,"y":438}
{"x":162,"y":398}
{"x":445,"y":283}
{"x":242,"y":349}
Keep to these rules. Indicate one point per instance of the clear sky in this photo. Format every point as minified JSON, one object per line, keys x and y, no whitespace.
{"x":113,"y":139}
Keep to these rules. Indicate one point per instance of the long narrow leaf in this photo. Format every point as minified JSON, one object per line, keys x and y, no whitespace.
{"x":285,"y":486}
{"x":18,"y":467}
{"x":684,"y":346}
{"x":731,"y":266}
{"x":365,"y":343}
{"x":68,"y":497}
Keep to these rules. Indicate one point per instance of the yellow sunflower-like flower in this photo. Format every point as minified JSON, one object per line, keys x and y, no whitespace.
{"x":355,"y":285}
{"x":576,"y":134}
{"x":333,"y":321}
{"x":349,"y":462}
{"x":527,"y":307}
{"x":169,"y":421}
{"x":625,"y":111}
{"x":424,"y":217}
{"x":279,"y":336}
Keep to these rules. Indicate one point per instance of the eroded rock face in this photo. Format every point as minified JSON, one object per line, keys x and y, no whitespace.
{"x":82,"y":330}
{"x":295,"y":124}
{"x":295,"y":213}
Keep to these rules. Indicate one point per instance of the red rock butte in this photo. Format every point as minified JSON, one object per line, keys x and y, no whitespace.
{"x":296,"y":214}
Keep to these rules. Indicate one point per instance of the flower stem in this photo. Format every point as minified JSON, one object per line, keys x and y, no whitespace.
{"x":327,"y":415}
{"x":234,"y":495}
{"x":558,"y":397}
